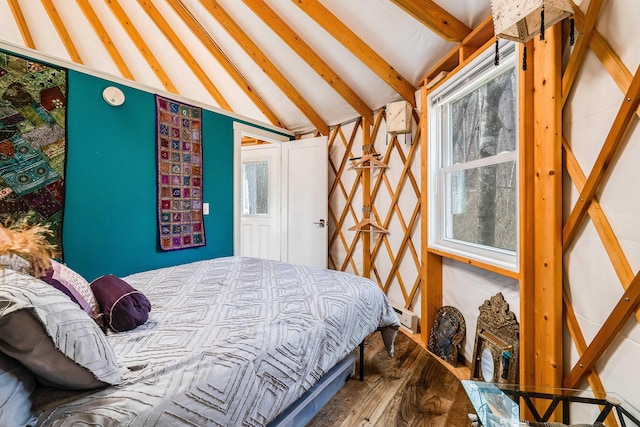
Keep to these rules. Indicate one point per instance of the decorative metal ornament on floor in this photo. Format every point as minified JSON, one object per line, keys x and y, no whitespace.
{"x":497,"y":343}
{"x":447,"y":333}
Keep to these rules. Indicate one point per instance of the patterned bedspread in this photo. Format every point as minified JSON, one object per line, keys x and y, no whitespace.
{"x":230,"y":341}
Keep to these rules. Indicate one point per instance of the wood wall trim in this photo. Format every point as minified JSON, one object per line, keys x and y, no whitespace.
{"x":605,"y":231}
{"x":339,"y":236}
{"x":475,"y":263}
{"x":327,"y":20}
{"x":547,"y":189}
{"x":196,"y":28}
{"x":431,"y":266}
{"x":305,"y":52}
{"x":256,"y":54}
{"x":609,"y":149}
{"x":436,"y":18}
{"x":612,"y":62}
{"x":460,"y":55}
{"x":183,"y":51}
{"x":22,"y":24}
{"x":104,"y":37}
{"x":581,"y":346}
{"x":432,"y":259}
{"x":366,"y":201}
{"x":62,"y":31}
{"x":580,"y":49}
{"x":140,"y":44}
{"x":623,"y":310}
{"x":527,"y":223}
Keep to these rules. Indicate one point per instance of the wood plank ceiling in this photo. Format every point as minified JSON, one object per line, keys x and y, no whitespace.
{"x":272,"y":61}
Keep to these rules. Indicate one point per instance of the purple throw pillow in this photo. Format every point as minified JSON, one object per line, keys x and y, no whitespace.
{"x":124,"y":308}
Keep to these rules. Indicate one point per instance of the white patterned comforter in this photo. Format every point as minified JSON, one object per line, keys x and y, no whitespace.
{"x":230,"y":341}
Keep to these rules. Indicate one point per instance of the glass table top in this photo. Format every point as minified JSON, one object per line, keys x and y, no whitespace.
{"x":506,"y":405}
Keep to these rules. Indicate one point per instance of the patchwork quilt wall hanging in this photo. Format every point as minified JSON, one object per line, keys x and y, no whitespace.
{"x":179,"y":158}
{"x":32,"y":143}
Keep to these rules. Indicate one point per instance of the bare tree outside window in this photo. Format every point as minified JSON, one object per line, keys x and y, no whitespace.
{"x":473,"y":140}
{"x":483,"y":124}
{"x":255,"y":188}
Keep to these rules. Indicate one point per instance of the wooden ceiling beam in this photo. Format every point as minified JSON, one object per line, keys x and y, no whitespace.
{"x":183,"y":51}
{"x":434,"y":17}
{"x":304,"y":51}
{"x":140,"y":44}
{"x":264,"y":63}
{"x":101,"y":32}
{"x":22,"y":24}
{"x":62,"y":31}
{"x":215,"y":50}
{"x":358,"y":47}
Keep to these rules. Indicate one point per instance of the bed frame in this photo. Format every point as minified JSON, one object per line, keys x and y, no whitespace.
{"x":312,"y":401}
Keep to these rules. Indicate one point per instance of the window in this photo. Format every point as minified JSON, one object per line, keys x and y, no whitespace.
{"x":473,"y":142}
{"x":255,"y":188}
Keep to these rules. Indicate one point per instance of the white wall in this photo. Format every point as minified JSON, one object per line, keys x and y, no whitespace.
{"x":466,"y":288}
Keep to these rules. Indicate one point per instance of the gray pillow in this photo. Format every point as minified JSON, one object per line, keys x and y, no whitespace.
{"x":16,"y":385}
{"x":15,"y":262}
{"x":52,"y":336}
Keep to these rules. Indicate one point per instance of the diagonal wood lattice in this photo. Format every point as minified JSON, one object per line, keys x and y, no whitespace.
{"x":395,"y":205}
{"x":588,"y":204}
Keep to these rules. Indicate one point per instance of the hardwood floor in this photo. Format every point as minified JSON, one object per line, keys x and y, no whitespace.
{"x":410,"y":389}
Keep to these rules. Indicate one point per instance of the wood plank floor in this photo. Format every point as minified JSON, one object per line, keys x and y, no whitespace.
{"x":410,"y":389}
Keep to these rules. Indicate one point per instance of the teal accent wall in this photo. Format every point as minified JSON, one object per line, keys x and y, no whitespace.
{"x":110,"y":220}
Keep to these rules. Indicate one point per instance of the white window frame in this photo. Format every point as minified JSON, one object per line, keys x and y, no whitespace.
{"x":474,"y":75}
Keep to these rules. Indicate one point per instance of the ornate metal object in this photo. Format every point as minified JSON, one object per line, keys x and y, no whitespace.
{"x":446,"y":334}
{"x":497,"y":343}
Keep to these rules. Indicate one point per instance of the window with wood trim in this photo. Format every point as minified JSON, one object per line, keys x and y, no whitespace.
{"x":473,"y":145}
{"x":255,"y":188}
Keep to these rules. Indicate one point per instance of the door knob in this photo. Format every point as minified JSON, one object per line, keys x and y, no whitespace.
{"x":320,"y":224}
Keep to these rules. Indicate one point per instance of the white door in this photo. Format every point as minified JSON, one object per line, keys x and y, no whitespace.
{"x":260,"y":219}
{"x":303,"y":192}
{"x":305,"y":202}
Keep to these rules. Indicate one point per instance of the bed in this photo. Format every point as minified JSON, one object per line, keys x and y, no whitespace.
{"x":229,"y":341}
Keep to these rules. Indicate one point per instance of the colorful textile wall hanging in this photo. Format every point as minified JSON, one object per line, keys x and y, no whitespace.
{"x":32,"y":143}
{"x":179,"y":152}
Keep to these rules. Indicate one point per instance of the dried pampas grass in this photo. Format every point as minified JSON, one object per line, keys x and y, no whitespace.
{"x":29,"y":242}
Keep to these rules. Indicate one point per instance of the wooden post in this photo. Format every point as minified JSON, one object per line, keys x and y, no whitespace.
{"x":527,"y":240}
{"x":547,"y":189}
{"x":431,"y":269}
{"x":366,"y":200}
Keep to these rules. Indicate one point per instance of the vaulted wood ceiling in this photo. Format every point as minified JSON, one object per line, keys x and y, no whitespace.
{"x":299,"y":64}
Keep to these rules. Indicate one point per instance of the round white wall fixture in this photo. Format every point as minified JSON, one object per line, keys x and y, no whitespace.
{"x":113,"y":96}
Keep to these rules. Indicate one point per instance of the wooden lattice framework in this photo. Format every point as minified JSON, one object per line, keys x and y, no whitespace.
{"x":390,"y":265}
{"x":588,"y":204}
{"x":542,"y":319}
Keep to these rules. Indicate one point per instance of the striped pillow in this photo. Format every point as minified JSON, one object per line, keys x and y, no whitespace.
{"x":53,"y":338}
